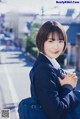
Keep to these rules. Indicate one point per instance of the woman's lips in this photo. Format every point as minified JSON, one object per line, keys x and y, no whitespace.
{"x":56,"y":52}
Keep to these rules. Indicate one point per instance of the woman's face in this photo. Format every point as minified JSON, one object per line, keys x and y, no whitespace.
{"x":54,"y":45}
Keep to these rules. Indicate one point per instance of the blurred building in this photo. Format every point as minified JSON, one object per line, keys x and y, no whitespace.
{"x":20,"y":23}
{"x":72,"y":31}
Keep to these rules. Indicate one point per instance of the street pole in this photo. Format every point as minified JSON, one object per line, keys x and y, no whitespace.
{"x":0,"y":52}
{"x":42,"y":11}
{"x":0,"y":39}
{"x":0,"y":33}
{"x":78,"y":52}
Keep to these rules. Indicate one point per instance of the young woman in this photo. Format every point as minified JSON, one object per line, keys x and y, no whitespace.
{"x":54,"y":90}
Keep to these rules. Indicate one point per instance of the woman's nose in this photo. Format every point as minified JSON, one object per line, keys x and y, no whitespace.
{"x":56,"y":45}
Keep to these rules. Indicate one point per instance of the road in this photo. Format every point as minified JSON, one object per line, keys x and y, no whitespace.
{"x":14,"y":80}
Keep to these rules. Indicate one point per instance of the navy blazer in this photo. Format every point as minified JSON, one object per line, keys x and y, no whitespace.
{"x":56,"y":100}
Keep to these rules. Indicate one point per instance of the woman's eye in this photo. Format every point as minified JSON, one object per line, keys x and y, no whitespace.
{"x":50,"y":41}
{"x":61,"y":41}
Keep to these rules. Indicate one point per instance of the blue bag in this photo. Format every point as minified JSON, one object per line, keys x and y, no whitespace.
{"x":75,"y":114}
{"x":29,"y":109}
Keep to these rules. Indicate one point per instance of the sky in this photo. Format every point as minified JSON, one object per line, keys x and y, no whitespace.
{"x":50,"y":6}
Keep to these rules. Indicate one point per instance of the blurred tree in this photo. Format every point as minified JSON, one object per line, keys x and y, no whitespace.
{"x":31,"y":43}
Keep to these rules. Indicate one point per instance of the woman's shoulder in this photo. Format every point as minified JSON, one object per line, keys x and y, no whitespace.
{"x":44,"y":66}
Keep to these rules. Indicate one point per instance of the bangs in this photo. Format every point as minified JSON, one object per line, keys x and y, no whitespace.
{"x":59,"y":33}
{"x":61,"y":37}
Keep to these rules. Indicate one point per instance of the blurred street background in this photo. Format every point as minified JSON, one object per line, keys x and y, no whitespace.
{"x":14,"y":79}
{"x":19,"y":23}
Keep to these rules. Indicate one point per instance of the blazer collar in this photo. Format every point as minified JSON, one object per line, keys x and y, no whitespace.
{"x":43,"y":58}
{"x":53,"y":61}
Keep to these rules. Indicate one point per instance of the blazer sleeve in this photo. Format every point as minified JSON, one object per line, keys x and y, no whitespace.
{"x":47,"y":93}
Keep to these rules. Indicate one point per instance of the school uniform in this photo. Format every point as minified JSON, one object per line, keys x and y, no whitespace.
{"x":56,"y":100}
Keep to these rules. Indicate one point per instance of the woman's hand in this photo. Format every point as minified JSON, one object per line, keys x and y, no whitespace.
{"x":69,"y":78}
